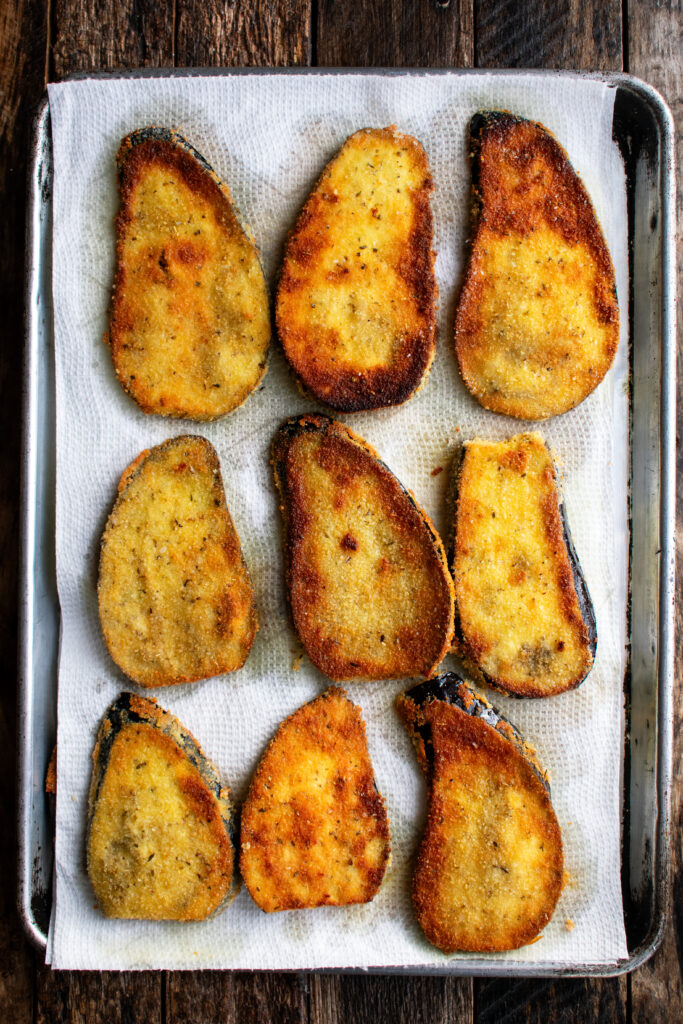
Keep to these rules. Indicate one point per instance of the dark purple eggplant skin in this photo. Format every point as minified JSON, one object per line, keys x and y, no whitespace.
{"x":120,"y":714}
{"x":154,"y":133}
{"x":450,"y":688}
{"x":479,"y":124}
{"x":583,"y":596}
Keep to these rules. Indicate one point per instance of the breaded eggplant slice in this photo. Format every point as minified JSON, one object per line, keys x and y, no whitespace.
{"x":367,"y":577}
{"x":490,"y":867}
{"x":314,"y":828}
{"x":356,"y":302}
{"x":176,"y":602}
{"x":524,"y":621}
{"x":190,"y":318}
{"x":160,"y":839}
{"x":537,"y":324}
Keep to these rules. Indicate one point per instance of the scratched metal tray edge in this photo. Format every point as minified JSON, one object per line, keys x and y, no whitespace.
{"x":38,"y":601}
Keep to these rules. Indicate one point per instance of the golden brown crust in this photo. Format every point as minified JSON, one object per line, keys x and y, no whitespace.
{"x":522,"y":627}
{"x":314,"y":828}
{"x":176,"y":602}
{"x":490,"y":866}
{"x":537,"y":325}
{"x":368,"y":584}
{"x":51,"y":773}
{"x":356,"y":301}
{"x":190,"y":320}
{"x":159,"y":845}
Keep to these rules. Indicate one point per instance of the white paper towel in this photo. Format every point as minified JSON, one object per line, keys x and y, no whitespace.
{"x":269,"y":137}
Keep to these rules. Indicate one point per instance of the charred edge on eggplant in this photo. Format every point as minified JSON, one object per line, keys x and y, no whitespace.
{"x":120,"y":714}
{"x":480,"y":123}
{"x":154,"y":133}
{"x":451,"y":689}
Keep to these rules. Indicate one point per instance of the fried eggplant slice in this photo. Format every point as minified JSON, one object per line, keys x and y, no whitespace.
{"x":537,"y":324}
{"x":190,"y":318}
{"x":160,"y":842}
{"x":367,"y":578}
{"x":524,"y":621}
{"x":490,"y":867}
{"x":356,"y":302}
{"x":314,"y":829}
{"x":175,"y":599}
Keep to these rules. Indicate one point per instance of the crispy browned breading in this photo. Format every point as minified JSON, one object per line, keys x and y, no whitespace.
{"x":159,"y":840}
{"x":314,"y":826}
{"x":176,"y":602}
{"x":524,"y":619}
{"x":356,"y":302}
{"x":490,"y":867}
{"x":368,"y":583}
{"x":51,"y":773}
{"x":190,"y":319}
{"x":537,"y":324}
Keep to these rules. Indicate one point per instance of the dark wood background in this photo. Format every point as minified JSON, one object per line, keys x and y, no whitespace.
{"x":44,"y":40}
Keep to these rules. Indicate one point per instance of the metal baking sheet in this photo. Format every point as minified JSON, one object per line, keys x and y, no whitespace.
{"x":643,"y":128}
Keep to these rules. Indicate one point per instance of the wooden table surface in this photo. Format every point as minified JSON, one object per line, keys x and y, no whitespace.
{"x":45,"y":40}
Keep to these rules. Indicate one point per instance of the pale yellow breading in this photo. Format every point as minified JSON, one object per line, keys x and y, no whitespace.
{"x":521,"y":624}
{"x":369,"y":587}
{"x":537,"y":324}
{"x":190,"y":317}
{"x":159,"y":844}
{"x":356,"y":301}
{"x":314,"y":827}
{"x":176,"y":602}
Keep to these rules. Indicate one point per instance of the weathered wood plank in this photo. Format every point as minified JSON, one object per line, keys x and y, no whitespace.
{"x":111,"y":34}
{"x":402,"y":33}
{"x":23,"y":53}
{"x":379,"y":998}
{"x":654,"y":53}
{"x":549,"y":34}
{"x":230,"y":33}
{"x":89,"y":997}
{"x":569,"y":1001}
{"x":215,"y":997}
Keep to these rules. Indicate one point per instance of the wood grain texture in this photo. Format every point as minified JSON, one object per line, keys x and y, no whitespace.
{"x":548,"y":34}
{"x":23,"y":49}
{"x":402,"y":33}
{"x":570,"y":1001}
{"x":377,"y":999}
{"x":92,"y":997}
{"x":220,"y":997}
{"x":110,"y":34}
{"x":232,"y":33}
{"x":654,"y":53}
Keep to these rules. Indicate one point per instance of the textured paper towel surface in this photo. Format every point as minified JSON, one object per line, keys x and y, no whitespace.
{"x":269,"y":138}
